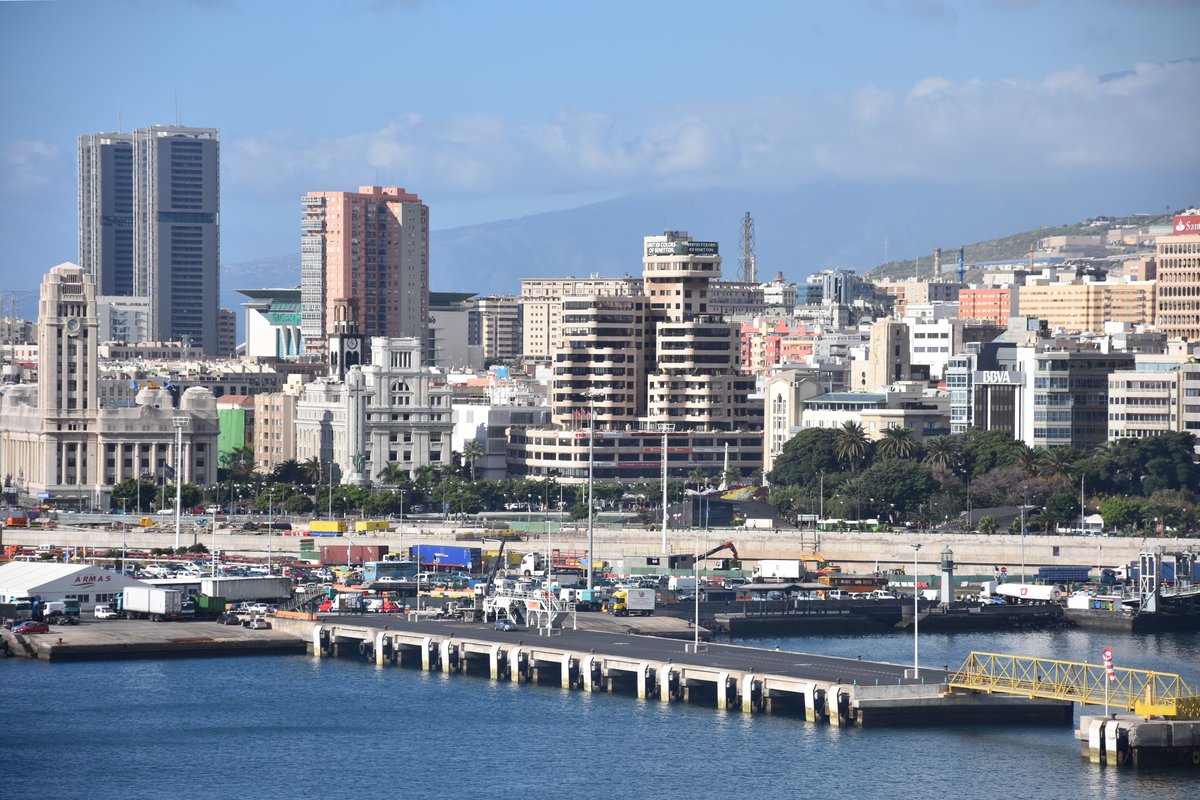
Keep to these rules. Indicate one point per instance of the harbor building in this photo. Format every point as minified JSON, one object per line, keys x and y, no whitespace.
{"x":368,"y":252}
{"x":495,"y":325}
{"x":1066,"y":397}
{"x":541,"y":304}
{"x":149,"y":225}
{"x":1161,"y":394}
{"x":61,"y":446}
{"x":785,"y":395}
{"x":994,"y":304}
{"x":273,"y":323}
{"x":1085,"y":307}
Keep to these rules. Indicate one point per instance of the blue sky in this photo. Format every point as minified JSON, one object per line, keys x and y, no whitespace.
{"x":491,"y":110}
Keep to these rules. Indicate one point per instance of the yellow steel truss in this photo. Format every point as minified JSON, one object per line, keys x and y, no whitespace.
{"x":1141,"y":691}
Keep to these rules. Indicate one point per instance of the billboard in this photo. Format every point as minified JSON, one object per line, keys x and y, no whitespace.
{"x":1186,"y":224}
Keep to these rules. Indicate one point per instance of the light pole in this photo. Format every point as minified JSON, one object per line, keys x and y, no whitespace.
{"x":331,"y":489}
{"x":401,"y":543}
{"x":916,"y":615}
{"x":590,"y":508}
{"x":180,"y":422}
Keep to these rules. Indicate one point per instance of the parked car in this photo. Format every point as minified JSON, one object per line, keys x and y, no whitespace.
{"x":505,"y":624}
{"x":733,"y":583}
{"x":31,"y":626}
{"x":64,"y":619}
{"x":229,"y":618}
{"x":257,"y":623}
{"x":105,"y":612}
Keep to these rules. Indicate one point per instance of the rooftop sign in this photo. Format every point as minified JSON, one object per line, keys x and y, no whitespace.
{"x":1186,"y":225}
{"x":681,"y":249}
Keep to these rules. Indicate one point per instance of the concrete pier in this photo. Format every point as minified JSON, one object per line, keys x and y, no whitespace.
{"x":838,"y":691}
{"x":1124,"y":740}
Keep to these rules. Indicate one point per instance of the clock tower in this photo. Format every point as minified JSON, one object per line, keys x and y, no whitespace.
{"x":346,"y":344}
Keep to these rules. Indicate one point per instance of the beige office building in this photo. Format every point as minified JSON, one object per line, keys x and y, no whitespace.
{"x":542,"y":304}
{"x":1178,"y":267}
{"x":1085,"y":307}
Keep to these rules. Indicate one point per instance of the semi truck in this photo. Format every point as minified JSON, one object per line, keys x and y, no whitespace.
{"x":627,"y":602}
{"x":148,"y":602}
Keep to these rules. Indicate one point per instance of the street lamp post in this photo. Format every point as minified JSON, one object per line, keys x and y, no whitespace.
{"x":916,"y":614}
{"x":590,"y":508}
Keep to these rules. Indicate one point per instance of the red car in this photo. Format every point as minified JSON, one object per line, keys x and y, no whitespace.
{"x":31,"y":626}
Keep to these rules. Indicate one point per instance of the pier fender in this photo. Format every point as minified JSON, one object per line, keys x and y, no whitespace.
{"x":366,"y":649}
{"x":839,"y":708}
{"x":567,"y":677}
{"x":1111,"y":753}
{"x":589,"y":673}
{"x":320,"y":640}
{"x":751,"y":693}
{"x":383,"y":648}
{"x":427,"y":653}
{"x":645,"y":681}
{"x":668,"y":683}
{"x":1096,"y":741}
{"x":496,"y":662}
{"x":726,"y":687}
{"x":819,"y":704}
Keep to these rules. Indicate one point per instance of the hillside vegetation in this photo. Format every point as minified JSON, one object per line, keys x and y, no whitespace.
{"x":1012,"y":246}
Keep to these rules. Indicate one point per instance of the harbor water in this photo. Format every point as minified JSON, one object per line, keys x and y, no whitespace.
{"x":294,"y":727}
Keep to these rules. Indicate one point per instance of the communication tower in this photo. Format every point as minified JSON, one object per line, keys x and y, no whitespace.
{"x":747,"y":263}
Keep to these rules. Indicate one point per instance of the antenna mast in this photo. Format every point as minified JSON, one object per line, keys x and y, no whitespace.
{"x":747,"y":263}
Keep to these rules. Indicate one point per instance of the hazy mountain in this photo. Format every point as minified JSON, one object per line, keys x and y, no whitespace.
{"x":796,"y":233}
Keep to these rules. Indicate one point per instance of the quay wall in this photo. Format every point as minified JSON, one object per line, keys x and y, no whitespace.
{"x":866,"y":552}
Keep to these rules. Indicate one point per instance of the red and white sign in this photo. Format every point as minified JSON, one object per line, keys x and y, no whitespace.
{"x":1189,"y":224}
{"x":1108,"y":665}
{"x":1004,"y":570}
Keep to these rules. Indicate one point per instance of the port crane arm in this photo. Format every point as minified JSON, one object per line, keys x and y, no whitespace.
{"x":722,"y":546}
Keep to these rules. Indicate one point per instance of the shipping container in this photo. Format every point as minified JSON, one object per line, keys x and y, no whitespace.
{"x":238,"y":589}
{"x":447,"y":556}
{"x":368,"y":525}
{"x":147,"y":601}
{"x":1057,"y":574}
{"x":327,"y":526}
{"x":357,"y":553}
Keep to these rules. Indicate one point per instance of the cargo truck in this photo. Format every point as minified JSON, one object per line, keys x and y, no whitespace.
{"x":148,"y":602}
{"x":627,"y":602}
{"x":778,"y":569}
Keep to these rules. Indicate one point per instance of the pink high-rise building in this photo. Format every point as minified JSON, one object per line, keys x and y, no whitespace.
{"x":364,"y":260}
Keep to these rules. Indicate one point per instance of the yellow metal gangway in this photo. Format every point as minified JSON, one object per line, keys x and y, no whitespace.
{"x":1137,"y":690}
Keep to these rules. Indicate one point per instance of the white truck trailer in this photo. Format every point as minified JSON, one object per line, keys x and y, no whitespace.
{"x":778,"y":569}
{"x":149,"y":602}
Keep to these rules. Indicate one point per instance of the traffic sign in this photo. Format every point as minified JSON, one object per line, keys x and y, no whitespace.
{"x":1004,"y":570}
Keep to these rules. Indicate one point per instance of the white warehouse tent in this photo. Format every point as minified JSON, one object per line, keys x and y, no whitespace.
{"x":88,"y":584}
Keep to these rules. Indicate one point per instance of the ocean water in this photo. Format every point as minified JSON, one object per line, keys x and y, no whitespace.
{"x":297,"y":727}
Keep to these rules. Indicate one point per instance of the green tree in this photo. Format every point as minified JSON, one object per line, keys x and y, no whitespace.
{"x":473,"y":451}
{"x":942,"y":451}
{"x":897,"y":442}
{"x":392,"y":474}
{"x":892,"y":486}
{"x":1062,"y":508}
{"x":805,"y":457}
{"x":1120,"y":512}
{"x":987,"y":525}
{"x":288,"y":471}
{"x":1056,"y":463}
{"x":696,"y":476}
{"x":298,"y":504}
{"x":239,"y":463}
{"x":852,"y":444}
{"x":984,"y":451}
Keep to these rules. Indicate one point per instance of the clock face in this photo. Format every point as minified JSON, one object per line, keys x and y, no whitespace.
{"x":352,"y":344}
{"x":73,"y":325}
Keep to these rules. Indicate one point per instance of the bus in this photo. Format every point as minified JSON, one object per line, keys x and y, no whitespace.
{"x":853,"y":584}
{"x":389,"y":570}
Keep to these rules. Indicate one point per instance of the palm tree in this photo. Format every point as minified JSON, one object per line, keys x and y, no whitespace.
{"x":392,"y":474}
{"x":287,"y":472}
{"x":240,"y":463}
{"x":897,"y":442}
{"x":941,"y":451}
{"x":987,"y":526}
{"x":313,"y":470}
{"x":696,"y":476}
{"x":1054,"y":462}
{"x":1027,"y":459}
{"x":851,"y":444}
{"x":472,"y":451}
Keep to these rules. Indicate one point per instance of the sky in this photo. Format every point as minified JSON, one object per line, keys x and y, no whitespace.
{"x":493,"y":110}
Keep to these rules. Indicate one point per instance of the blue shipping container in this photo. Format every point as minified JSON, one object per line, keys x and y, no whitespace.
{"x":428,"y":555}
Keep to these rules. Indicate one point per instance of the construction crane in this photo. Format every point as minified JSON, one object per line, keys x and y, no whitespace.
{"x":722,"y":546}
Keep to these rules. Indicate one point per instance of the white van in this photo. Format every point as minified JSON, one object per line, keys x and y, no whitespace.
{"x":682,"y":583}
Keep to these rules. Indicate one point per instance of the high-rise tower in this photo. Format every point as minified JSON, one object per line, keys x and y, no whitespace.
{"x":106,"y":211}
{"x":364,"y":258}
{"x":149,"y":225}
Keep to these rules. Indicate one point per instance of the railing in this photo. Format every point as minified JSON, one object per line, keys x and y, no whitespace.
{"x":1141,"y":691}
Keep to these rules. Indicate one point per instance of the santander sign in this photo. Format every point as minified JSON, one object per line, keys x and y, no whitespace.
{"x":1187,"y":225}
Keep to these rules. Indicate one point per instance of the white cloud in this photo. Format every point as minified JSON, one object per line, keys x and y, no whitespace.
{"x":27,"y":164}
{"x":936,"y":129}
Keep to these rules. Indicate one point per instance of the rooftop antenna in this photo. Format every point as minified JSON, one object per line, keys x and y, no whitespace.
{"x":176,"y":108}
